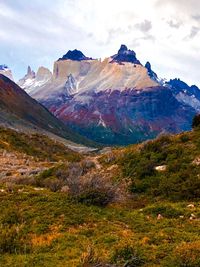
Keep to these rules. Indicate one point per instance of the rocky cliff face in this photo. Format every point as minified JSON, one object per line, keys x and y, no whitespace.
{"x":130,"y":116}
{"x":114,"y":101}
{"x":189,"y":95}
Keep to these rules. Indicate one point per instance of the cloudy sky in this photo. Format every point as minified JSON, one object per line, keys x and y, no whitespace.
{"x":164,"y":32}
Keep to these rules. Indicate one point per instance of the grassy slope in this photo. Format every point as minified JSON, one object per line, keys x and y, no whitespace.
{"x":180,"y":154}
{"x":42,"y":228}
{"x":47,"y":229}
{"x":36,"y":145}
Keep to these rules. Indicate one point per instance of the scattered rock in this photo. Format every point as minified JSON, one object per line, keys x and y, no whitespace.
{"x":65,"y":189}
{"x":196,"y":161}
{"x":192,"y":217}
{"x":159,"y":217}
{"x":20,"y":190}
{"x":161,"y":168}
{"x":191,"y":206}
{"x":38,"y":189}
{"x":115,"y":166}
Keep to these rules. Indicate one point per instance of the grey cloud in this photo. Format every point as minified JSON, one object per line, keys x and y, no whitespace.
{"x":181,"y":4}
{"x":137,"y":41}
{"x":183,"y":8}
{"x":174,"y":24}
{"x":196,"y":17}
{"x":194,"y":31}
{"x":144,"y":26}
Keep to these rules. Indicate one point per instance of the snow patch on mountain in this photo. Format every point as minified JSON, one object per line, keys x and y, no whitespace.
{"x":189,"y":100}
{"x":32,"y":81}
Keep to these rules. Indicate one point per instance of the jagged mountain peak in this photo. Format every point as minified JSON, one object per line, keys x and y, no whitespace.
{"x":178,"y":83}
{"x":32,"y":80}
{"x":125,"y":55}
{"x":30,"y":73}
{"x":76,"y":55}
{"x":151,"y":73}
{"x":148,"y":66}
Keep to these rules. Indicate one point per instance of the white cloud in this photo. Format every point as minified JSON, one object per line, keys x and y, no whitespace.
{"x":165,"y":32}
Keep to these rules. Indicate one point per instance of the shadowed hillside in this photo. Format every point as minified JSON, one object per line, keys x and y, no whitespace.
{"x":20,"y":111}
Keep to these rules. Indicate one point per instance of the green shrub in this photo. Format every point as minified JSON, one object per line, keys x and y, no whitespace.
{"x":184,"y":138}
{"x":128,"y":256}
{"x":185,"y":255}
{"x":165,"y":210}
{"x":46,"y":173}
{"x":11,"y":241}
{"x":11,"y":217}
{"x":157,"y":145}
{"x":94,"y":197}
{"x":196,"y":121}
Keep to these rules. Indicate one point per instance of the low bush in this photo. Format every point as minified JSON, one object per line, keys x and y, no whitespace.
{"x":11,"y":240}
{"x":128,"y":257}
{"x":95,"y":197}
{"x":185,"y":255}
{"x":11,"y":217}
{"x":165,"y":210}
{"x":196,"y":121}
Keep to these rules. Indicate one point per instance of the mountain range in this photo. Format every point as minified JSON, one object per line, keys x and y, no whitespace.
{"x":115,"y":101}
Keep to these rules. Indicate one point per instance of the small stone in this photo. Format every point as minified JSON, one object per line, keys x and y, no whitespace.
{"x":192,"y":217}
{"x":191,"y":206}
{"x":161,"y":168}
{"x":65,"y":189}
{"x":159,"y":217}
{"x":38,"y":189}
